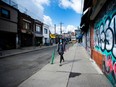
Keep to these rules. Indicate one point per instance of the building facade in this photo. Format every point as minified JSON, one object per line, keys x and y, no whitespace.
{"x":25,"y":30}
{"x":46,"y":35}
{"x":99,"y":25}
{"x":38,"y":32}
{"x":18,"y":29}
{"x":8,"y":26}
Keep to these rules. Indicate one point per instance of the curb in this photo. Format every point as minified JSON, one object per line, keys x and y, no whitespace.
{"x":17,"y":53}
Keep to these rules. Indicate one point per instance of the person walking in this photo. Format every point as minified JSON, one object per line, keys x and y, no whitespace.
{"x":60,"y":51}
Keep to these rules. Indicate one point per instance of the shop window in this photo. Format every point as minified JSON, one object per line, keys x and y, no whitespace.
{"x":4,"y":13}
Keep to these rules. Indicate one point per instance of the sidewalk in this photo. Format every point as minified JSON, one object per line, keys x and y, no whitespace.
{"x":7,"y":53}
{"x":77,"y":71}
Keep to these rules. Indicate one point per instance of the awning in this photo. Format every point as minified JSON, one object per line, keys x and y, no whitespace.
{"x":97,"y":7}
{"x":85,"y":17}
{"x":52,"y":36}
{"x":87,"y":3}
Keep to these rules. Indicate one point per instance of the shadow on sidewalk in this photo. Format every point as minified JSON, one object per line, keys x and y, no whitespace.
{"x":70,"y":61}
{"x":73,"y":74}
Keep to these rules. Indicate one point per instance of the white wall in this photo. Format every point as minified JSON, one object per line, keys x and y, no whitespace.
{"x":46,"y":35}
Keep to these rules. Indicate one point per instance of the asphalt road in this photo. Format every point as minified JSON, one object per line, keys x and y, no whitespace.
{"x":15,"y":69}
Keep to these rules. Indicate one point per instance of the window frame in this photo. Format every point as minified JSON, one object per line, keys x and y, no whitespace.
{"x":37,"y":28}
{"x":27,"y":25}
{"x":4,"y":15}
{"x":45,"y":31}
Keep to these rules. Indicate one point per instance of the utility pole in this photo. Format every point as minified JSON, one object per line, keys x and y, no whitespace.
{"x":61,"y":28}
{"x":55,"y":33}
{"x":54,"y":28}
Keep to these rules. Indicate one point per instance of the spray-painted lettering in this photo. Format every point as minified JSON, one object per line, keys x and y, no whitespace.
{"x":105,"y":42}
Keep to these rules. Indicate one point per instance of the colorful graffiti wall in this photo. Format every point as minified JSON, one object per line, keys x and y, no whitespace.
{"x":88,"y":42}
{"x":105,"y":43}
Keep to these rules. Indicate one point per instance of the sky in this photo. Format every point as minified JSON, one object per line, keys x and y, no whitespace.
{"x":67,"y":12}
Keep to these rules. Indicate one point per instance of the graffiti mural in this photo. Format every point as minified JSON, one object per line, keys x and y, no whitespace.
{"x":105,"y":43}
{"x":88,"y":42}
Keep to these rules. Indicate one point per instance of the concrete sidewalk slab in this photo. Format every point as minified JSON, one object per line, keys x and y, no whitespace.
{"x":52,"y":75}
{"x":83,"y":65}
{"x":47,"y":79}
{"x":86,"y":74}
{"x":89,"y":80}
{"x":76,"y":71}
{"x":66,"y":66}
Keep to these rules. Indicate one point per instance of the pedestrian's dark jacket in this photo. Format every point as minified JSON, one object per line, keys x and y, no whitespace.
{"x":80,"y":36}
{"x":60,"y":49}
{"x":64,"y":46}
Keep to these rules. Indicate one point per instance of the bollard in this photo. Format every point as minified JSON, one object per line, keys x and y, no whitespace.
{"x":53,"y":55}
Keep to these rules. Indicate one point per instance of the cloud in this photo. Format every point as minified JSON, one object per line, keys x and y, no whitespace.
{"x":65,"y":29}
{"x":76,"y":5}
{"x":65,"y":3}
{"x":42,"y":2}
{"x":71,"y":28}
{"x":47,"y":20}
{"x":34,"y":8}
